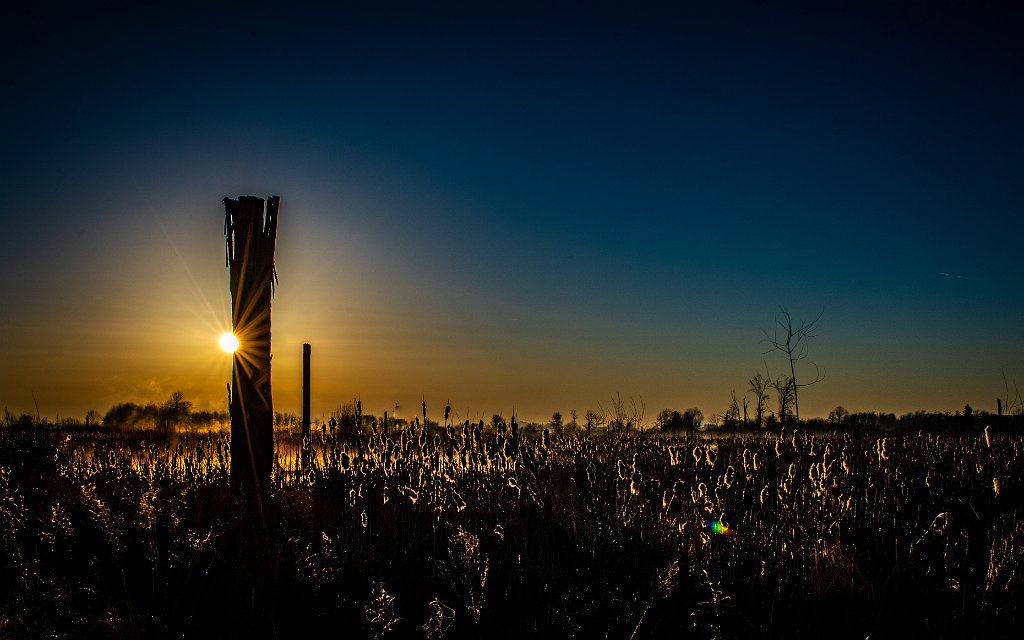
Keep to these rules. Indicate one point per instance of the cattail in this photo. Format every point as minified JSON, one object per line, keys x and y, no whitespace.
{"x":712,"y":456}
{"x":812,"y":473}
{"x":460,"y":504}
{"x":410,"y":493}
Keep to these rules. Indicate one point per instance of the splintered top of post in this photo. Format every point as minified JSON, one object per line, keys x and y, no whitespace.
{"x":246,"y":215}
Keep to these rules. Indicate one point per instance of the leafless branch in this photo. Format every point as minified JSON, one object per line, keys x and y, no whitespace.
{"x":793,"y":343}
{"x":637,"y":414}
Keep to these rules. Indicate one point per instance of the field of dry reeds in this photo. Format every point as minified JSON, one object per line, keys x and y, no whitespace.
{"x":463,"y":533}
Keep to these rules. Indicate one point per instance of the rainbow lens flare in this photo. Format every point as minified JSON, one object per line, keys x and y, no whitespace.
{"x":718,"y":527}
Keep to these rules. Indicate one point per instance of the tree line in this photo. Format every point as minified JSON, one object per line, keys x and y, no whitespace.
{"x":774,"y":403}
{"x":174,"y":413}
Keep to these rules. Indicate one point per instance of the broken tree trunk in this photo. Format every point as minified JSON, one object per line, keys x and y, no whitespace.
{"x":251,"y":234}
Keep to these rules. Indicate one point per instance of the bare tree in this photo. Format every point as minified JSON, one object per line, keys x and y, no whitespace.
{"x":731,"y":417}
{"x":839,"y":415}
{"x":1012,"y":404}
{"x":786,"y":391}
{"x":792,"y":342}
{"x":174,"y":411}
{"x":636,"y":416}
{"x":759,"y":386}
{"x":692,"y":419}
{"x":617,"y":415}
{"x":556,"y":421}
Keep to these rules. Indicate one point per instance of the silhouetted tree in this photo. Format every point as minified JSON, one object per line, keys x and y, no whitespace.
{"x":1011,"y":404}
{"x":669,"y":420}
{"x":732,"y":414}
{"x":759,"y":386}
{"x":346,"y":420}
{"x":122,"y":416}
{"x":617,"y":415}
{"x":208,"y":418}
{"x":174,"y":411}
{"x":786,"y":394}
{"x":839,"y":415}
{"x":498,"y":422}
{"x":556,"y":421}
{"x":636,"y":416}
{"x":692,"y":419}
{"x":792,"y":342}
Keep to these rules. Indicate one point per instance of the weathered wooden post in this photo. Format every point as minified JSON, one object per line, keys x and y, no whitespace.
{"x":251,"y":234}
{"x":306,"y":444}
{"x":305,"y":390}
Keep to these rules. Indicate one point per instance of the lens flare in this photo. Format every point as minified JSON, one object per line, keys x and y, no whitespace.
{"x":718,"y":527}
{"x":228,"y":342}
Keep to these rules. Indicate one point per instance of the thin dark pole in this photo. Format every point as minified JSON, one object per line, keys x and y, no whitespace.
{"x":305,"y":390}
{"x":306,"y":349}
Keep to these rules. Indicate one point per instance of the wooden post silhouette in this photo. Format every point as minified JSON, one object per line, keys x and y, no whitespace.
{"x":251,"y":234}
{"x":305,"y":406}
{"x":305,"y":389}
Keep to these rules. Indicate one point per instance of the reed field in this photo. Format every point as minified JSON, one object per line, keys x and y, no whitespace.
{"x":469,"y":532}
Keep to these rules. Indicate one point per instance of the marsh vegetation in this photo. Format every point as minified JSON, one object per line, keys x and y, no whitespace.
{"x":463,"y":531}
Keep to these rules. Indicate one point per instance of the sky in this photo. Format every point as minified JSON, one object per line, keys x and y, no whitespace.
{"x":516,"y":206}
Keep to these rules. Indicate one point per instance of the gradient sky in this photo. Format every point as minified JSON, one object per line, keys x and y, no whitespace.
{"x":520,"y":206}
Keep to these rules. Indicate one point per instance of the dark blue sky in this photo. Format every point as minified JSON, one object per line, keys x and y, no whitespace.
{"x":518,"y":205}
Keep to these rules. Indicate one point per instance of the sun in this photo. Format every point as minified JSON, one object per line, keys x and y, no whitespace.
{"x":228,"y":342}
